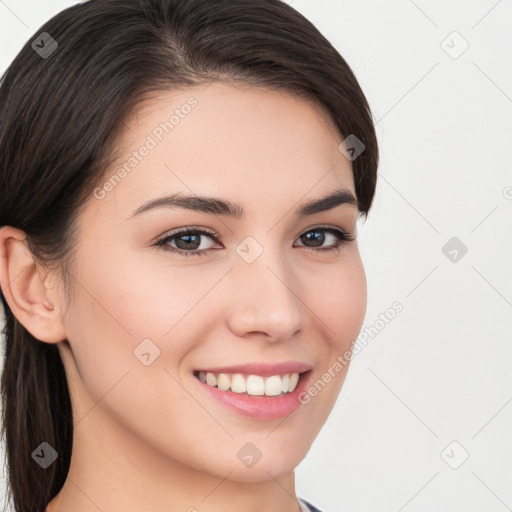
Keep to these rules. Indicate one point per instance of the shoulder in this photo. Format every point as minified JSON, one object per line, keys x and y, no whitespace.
{"x":307,"y":506}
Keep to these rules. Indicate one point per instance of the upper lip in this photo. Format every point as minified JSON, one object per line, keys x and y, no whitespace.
{"x":263,"y":369}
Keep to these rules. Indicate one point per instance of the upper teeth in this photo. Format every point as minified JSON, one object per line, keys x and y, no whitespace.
{"x":253,"y":384}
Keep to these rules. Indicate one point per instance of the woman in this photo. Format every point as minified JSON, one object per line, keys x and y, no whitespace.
{"x":137,"y":133}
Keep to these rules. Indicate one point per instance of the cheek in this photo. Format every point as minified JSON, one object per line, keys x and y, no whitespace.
{"x":122,"y":302}
{"x":132,"y":297}
{"x":337,"y":297}
{"x":340,"y":302}
{"x":116,"y":308}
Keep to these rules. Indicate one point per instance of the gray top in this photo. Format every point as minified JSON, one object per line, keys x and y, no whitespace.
{"x":305,"y":506}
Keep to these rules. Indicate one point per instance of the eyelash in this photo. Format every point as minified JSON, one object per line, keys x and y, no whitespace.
{"x":341,"y":235}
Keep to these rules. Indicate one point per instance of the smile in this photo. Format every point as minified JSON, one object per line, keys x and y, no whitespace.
{"x":260,"y":397}
{"x":253,"y":385}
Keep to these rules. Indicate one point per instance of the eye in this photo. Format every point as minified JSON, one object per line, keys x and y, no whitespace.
{"x":319,"y":236}
{"x":188,"y":240}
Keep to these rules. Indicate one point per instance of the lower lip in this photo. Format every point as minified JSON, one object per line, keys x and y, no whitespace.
{"x":260,"y":407}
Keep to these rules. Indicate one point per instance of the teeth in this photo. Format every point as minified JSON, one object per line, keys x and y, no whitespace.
{"x":254,"y":385}
{"x":273,"y":386}
{"x":223,"y":382}
{"x":238,"y":384}
{"x":211,"y":379}
{"x":294,"y":378}
{"x":285,"y":382}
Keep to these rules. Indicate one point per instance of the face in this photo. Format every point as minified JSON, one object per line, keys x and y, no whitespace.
{"x":268,"y":285}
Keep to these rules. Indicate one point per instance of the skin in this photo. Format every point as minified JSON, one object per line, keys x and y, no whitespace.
{"x":148,"y":437}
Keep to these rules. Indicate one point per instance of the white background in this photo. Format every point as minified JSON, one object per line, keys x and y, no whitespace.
{"x":441,"y":370}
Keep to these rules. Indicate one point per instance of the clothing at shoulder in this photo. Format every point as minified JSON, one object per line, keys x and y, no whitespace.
{"x":307,"y":506}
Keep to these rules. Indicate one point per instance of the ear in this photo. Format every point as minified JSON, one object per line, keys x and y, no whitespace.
{"x":22,"y":279}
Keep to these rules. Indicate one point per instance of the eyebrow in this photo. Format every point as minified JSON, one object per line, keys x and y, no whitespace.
{"x":212,"y":205}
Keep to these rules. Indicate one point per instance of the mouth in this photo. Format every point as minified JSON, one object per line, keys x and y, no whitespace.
{"x":259,"y":397}
{"x":251,"y":384}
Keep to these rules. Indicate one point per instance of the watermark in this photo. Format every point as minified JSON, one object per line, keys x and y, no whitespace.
{"x":378,"y":325}
{"x":151,"y":142}
{"x":249,"y":249}
{"x":352,"y":147}
{"x":146,"y":352}
{"x":344,"y":359}
{"x":454,"y":45}
{"x":507,"y":193}
{"x":45,"y":455}
{"x":454,"y":249}
{"x":44,"y":45}
{"x":455,"y":455}
{"x":249,"y":454}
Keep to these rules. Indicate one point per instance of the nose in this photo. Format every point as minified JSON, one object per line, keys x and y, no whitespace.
{"x":266,"y":298}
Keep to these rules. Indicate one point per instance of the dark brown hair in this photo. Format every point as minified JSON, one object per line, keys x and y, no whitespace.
{"x":60,"y":115}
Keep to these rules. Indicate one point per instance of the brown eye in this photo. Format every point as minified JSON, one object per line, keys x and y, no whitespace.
{"x":317,"y":237}
{"x":187,"y":241}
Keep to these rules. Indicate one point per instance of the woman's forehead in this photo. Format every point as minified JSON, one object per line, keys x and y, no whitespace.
{"x":225,"y":141}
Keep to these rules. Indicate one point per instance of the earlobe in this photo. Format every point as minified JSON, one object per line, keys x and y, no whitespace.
{"x":36,"y":307}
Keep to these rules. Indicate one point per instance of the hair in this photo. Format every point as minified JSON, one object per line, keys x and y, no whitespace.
{"x":61,"y":116}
